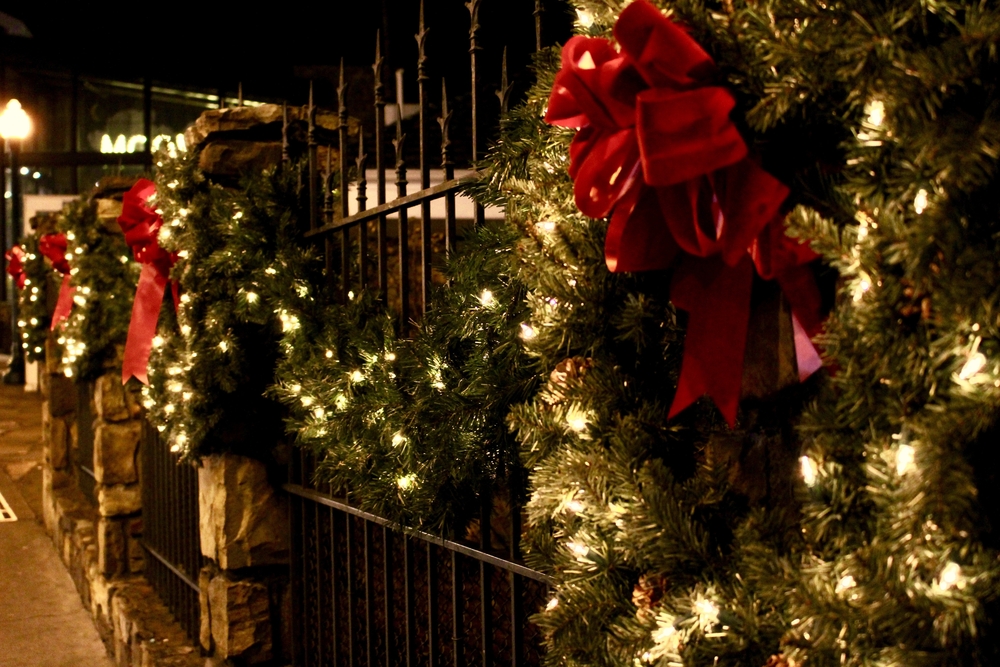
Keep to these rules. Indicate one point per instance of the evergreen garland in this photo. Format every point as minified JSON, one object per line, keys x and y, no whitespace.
{"x":652,"y":552}
{"x":215,"y":354}
{"x":882,"y":118}
{"x":34,"y":314}
{"x":104,"y":277}
{"x":899,"y":500}
{"x":413,"y":428}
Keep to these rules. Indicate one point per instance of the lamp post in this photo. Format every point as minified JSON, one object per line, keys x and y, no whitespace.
{"x":15,"y":126}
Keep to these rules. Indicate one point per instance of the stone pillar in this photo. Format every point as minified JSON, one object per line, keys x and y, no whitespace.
{"x":58,"y":432}
{"x":244,"y":531}
{"x":117,"y":431}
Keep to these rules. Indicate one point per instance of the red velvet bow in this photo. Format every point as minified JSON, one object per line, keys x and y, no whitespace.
{"x":15,"y":265}
{"x":141,"y":224}
{"x":53,"y":246}
{"x":657,"y":151}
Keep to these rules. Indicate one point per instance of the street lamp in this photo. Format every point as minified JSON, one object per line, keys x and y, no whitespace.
{"x":15,"y":126}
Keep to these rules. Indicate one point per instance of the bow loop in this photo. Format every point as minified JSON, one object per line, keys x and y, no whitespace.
{"x":15,"y":265}
{"x":661,"y":50}
{"x":684,"y":135}
{"x":588,"y":91}
{"x":658,"y":152}
{"x":53,"y":247}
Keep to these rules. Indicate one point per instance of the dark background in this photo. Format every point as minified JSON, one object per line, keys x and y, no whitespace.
{"x":272,"y":47}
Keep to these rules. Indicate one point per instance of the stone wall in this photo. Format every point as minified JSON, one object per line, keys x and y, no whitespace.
{"x":244,"y":591}
{"x":100,"y":542}
{"x":245,"y":604}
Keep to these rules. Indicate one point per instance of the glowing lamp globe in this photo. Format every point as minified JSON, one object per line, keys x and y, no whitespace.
{"x":14,"y":122}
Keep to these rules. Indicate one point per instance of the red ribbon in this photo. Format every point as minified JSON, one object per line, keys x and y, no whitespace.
{"x":657,"y":151}
{"x":15,"y":265}
{"x":141,"y":224}
{"x":53,"y":246}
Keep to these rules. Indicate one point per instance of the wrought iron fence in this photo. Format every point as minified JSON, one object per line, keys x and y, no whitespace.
{"x":170,"y":533}
{"x":363,"y":592}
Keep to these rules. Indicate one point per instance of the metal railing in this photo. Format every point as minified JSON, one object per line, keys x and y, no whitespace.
{"x":170,"y":531}
{"x":364,"y":592}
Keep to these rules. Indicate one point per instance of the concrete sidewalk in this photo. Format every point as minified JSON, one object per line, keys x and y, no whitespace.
{"x":42,"y":621}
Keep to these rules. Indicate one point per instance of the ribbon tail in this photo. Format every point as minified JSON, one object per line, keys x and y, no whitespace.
{"x":806,"y":357}
{"x":142,"y":327}
{"x":799,"y":287}
{"x":64,"y":304}
{"x":717,"y":300}
{"x":638,"y":238}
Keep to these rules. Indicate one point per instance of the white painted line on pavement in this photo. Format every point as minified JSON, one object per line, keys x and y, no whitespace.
{"x":6,"y":513}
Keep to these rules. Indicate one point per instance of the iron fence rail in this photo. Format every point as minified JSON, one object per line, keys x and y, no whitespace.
{"x":171,"y":536}
{"x":364,"y":592}
{"x":367,"y":593}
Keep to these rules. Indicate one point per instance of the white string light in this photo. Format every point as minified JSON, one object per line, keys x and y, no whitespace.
{"x":876,"y":113}
{"x":809,"y":469}
{"x":905,"y":455}
{"x":951,"y":577}
{"x":846,"y":583}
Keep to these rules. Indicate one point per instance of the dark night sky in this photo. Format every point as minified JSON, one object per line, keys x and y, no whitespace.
{"x":213,"y":45}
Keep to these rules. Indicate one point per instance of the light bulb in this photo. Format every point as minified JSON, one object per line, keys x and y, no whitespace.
{"x":846,"y":583}
{"x":951,"y":577}
{"x":904,"y":459}
{"x":809,"y":470}
{"x":975,"y":363}
{"x":876,"y":113}
{"x":576,"y":419}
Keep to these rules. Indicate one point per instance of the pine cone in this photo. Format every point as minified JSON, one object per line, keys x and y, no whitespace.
{"x":648,"y":591}
{"x":567,"y":372}
{"x":918,"y":303}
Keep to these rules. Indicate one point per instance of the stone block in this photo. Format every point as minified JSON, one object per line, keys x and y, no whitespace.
{"x":62,"y":396}
{"x":118,"y":500}
{"x":243,"y":521}
{"x":115,"y":448}
{"x":241,"y":619}
{"x":261,"y":122}
{"x":56,"y":434}
{"x":111,"y":549}
{"x":233,"y":157}
{"x":52,"y":358}
{"x":109,"y":399}
{"x":133,"y":545}
{"x":205,"y":630}
{"x":109,"y":208}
